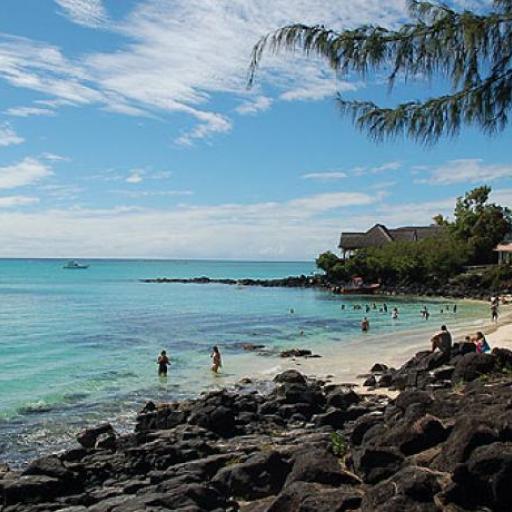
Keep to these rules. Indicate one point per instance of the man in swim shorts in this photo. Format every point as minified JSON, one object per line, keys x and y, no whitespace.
{"x":442,"y":340}
{"x":163,"y":362}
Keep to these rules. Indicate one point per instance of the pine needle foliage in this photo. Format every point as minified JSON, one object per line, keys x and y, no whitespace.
{"x":473,"y":50}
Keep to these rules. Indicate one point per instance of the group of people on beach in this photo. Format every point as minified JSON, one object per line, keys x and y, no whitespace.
{"x":365,"y":323}
{"x":368,"y":308}
{"x":164,"y":362}
{"x":443,"y":341}
{"x":425,"y":313}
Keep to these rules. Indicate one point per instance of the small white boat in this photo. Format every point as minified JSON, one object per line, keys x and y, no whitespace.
{"x":75,"y":265}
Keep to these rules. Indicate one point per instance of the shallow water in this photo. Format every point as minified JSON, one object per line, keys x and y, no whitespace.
{"x":79,"y":346}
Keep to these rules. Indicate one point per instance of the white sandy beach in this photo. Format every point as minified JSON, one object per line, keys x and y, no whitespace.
{"x":345,"y":364}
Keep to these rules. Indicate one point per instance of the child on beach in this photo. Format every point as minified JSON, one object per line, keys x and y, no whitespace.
{"x":481,"y":343}
{"x":163,"y":362}
{"x":216,"y":359}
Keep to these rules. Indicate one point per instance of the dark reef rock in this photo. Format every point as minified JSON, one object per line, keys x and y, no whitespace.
{"x":444,"y":443}
{"x":296,"y":352}
{"x":88,"y":437}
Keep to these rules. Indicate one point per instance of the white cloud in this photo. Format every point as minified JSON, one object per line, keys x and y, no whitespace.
{"x":297,"y":228}
{"x":55,"y":158}
{"x":175,"y":55}
{"x":12,"y":201}
{"x":211,"y":123}
{"x":466,"y":171}
{"x":390,"y":166}
{"x":26,"y":172}
{"x":155,"y":193}
{"x":134,"y":177}
{"x":259,"y":104}
{"x":8,"y":137}
{"x":324,"y":176}
{"x":29,"y":111}
{"x":62,"y":192}
{"x":317,"y":88}
{"x":89,"y":13}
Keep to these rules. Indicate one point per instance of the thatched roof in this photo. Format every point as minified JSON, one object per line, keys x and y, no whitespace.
{"x":380,"y":235}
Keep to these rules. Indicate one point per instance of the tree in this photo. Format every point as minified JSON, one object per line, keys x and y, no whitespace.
{"x":326,"y":261}
{"x":473,"y":50}
{"x":480,"y":224}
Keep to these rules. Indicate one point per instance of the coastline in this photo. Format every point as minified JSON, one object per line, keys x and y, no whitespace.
{"x":352,"y":362}
{"x":341,"y":361}
{"x":300,"y":444}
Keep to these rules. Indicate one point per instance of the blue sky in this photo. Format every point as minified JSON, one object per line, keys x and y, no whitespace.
{"x":126,"y":130}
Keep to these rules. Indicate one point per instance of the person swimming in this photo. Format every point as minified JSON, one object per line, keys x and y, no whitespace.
{"x":163,"y":362}
{"x":216,"y":359}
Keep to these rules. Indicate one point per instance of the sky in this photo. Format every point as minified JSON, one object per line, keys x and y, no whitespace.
{"x":127,"y":131}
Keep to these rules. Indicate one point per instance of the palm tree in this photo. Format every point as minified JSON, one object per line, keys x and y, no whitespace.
{"x":474,"y":50}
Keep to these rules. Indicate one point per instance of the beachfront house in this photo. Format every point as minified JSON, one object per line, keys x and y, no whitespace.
{"x":504,"y":250}
{"x":380,"y":235}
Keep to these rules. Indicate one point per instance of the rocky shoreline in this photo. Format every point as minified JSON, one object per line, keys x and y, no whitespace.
{"x":299,"y":445}
{"x":447,"y":290}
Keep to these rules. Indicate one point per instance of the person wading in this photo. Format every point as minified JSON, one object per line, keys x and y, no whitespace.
{"x":163,"y":362}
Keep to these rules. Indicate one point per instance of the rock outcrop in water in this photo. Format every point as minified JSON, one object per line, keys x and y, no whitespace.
{"x":455,"y":290}
{"x":304,"y":446}
{"x":301,"y":281}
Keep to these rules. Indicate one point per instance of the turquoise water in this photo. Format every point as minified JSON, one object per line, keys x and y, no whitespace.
{"x":79,"y":346}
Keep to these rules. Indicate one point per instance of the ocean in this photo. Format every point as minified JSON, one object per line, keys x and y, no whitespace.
{"x":79,"y":346}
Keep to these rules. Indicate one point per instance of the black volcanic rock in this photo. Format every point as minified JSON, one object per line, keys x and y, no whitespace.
{"x":472,"y":366}
{"x":302,"y":445}
{"x":88,"y":437}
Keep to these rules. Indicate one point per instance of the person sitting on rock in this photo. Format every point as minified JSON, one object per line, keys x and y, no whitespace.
{"x":442,"y":340}
{"x":163,"y":362}
{"x":365,"y":324}
{"x":481,"y":343}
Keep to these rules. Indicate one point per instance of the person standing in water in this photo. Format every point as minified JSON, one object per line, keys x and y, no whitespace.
{"x":163,"y":362}
{"x":216,"y":359}
{"x":365,"y":325}
{"x":494,"y":312}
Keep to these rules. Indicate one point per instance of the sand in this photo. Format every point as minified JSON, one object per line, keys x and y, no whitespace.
{"x":351,"y":362}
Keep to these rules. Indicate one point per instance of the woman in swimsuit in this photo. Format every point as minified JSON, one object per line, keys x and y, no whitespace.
{"x":163,"y":362}
{"x":216,"y":359}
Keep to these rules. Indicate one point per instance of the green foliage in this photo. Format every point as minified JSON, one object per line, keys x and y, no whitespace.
{"x":339,"y":444}
{"x":326,"y":261}
{"x":496,"y":277}
{"x":470,"y":239}
{"x":473,"y":50}
{"x":333,"y":267}
{"x":480,"y":224}
{"x":424,"y":261}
